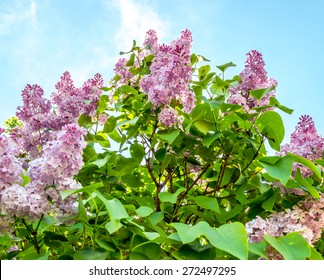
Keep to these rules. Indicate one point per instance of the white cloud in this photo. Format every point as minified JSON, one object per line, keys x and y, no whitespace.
{"x":137,"y":17}
{"x":19,"y":12}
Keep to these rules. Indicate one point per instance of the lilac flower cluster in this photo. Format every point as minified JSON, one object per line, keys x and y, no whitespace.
{"x":167,"y":85}
{"x":306,"y":142}
{"x":10,"y":166}
{"x":254,"y":76}
{"x":122,"y":71}
{"x":41,"y":116}
{"x":170,"y":76}
{"x":71,"y":102}
{"x":307,"y":218}
{"x":47,"y":148}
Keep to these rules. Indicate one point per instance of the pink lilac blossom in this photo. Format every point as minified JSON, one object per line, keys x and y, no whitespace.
{"x":49,"y":175}
{"x":122,"y":71}
{"x":254,"y":76}
{"x":171,"y":74}
{"x":10,"y":166}
{"x":70,"y":102}
{"x":306,"y":142}
{"x":62,"y":158}
{"x":307,"y":218}
{"x":168,"y":116}
{"x":41,"y":117}
{"x":151,"y":41}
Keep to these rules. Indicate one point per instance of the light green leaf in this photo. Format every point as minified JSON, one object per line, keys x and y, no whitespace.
{"x":137,"y":151}
{"x":259,"y":93}
{"x":167,"y":135}
{"x":306,"y":163}
{"x":100,"y":162}
{"x":144,"y":211}
{"x":292,"y":246}
{"x":258,"y":249}
{"x":115,"y":208}
{"x":305,"y":184}
{"x":314,"y":254}
{"x":278,"y":167}
{"x":271,"y":125}
{"x":226,"y":66}
{"x":231,"y":238}
{"x":170,"y":197}
{"x":88,"y":189}
{"x":209,"y":203}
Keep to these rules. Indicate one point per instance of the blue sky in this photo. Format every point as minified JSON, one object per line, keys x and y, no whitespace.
{"x":40,"y":39}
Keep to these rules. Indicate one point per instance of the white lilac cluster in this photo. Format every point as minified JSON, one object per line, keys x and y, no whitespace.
{"x":253,"y":77}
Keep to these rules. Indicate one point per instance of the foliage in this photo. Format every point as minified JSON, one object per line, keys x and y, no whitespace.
{"x":175,"y":166}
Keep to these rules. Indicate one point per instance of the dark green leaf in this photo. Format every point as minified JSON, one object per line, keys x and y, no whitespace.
{"x":91,"y":254}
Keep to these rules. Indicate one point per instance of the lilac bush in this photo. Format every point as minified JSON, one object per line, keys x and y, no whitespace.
{"x":167,"y":161}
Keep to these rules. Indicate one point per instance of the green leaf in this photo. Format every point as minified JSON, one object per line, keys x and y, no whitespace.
{"x":110,"y":124}
{"x":305,"y":184}
{"x":85,"y":120}
{"x":314,"y":254}
{"x":88,"y":189}
{"x":144,"y":211}
{"x":115,"y":208}
{"x":204,"y":126}
{"x":278,"y":167}
{"x":160,"y":154}
{"x":209,"y":203}
{"x":170,"y":197}
{"x":258,"y":249}
{"x":275,"y":102}
{"x":146,"y":251}
{"x":102,"y":103}
{"x":231,"y":238}
{"x":209,"y":139}
{"x":91,"y":254}
{"x":137,"y":151}
{"x":167,"y":135}
{"x":309,"y":164}
{"x":269,"y":202}
{"x":128,"y":122}
{"x":226,"y":66}
{"x":292,"y":246}
{"x":100,"y":162}
{"x":271,"y":125}
{"x":259,"y":93}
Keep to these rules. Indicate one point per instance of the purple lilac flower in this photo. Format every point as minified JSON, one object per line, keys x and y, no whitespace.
{"x":306,"y":142}
{"x":254,"y":76}
{"x":62,"y":158}
{"x":36,"y":108}
{"x":10,"y":166}
{"x":151,"y":40}
{"x":168,"y":116}
{"x":307,"y":218}
{"x":122,"y":71}
{"x":171,"y":74}
{"x":70,"y":102}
